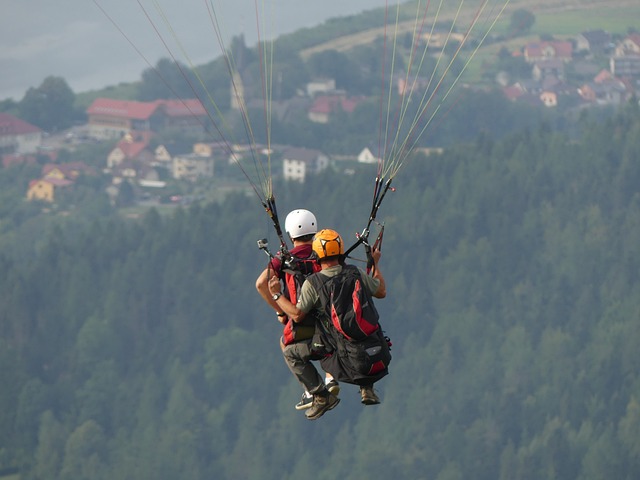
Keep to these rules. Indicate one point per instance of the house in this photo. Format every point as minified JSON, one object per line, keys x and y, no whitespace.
{"x":626,"y":60}
{"x":132,"y":159}
{"x":513,"y":92}
{"x":237,"y":152}
{"x":612,"y":92}
{"x":546,"y":50}
{"x":192,"y":167}
{"x":549,"y":99}
{"x":534,"y":92}
{"x":66,"y":171}
{"x":112,"y":119}
{"x":604,"y":76}
{"x":298,"y":162}
{"x":148,"y":175}
{"x":593,"y":41}
{"x":18,"y":136}
{"x":162,"y":156}
{"x":323,"y":86}
{"x":529,"y":86}
{"x":44,"y":188}
{"x":629,"y":46}
{"x":553,"y":68}
{"x":325,"y":105}
{"x":215,"y":149}
{"x":585,"y":68}
{"x":126,"y":170}
{"x":625,"y":66}
{"x":405,"y":85}
{"x":54,"y":177}
{"x":133,"y":149}
{"x":367,"y":156}
{"x":187,"y":116}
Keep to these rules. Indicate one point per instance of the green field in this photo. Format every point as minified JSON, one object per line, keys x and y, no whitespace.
{"x":562,"y":25}
{"x":572,"y":21}
{"x":613,"y":20}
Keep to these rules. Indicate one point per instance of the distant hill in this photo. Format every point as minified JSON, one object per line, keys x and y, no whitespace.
{"x":591,"y":12}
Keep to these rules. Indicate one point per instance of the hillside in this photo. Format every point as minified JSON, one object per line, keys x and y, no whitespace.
{"x":543,"y":9}
{"x":141,"y":349}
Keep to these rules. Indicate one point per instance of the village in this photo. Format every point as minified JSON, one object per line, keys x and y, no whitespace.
{"x":137,"y":160}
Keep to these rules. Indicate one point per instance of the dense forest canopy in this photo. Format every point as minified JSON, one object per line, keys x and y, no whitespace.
{"x":140,"y":349}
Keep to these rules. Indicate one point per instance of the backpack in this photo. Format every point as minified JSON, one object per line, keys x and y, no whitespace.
{"x":295,"y":271}
{"x":349,"y":341}
{"x":348,"y":305}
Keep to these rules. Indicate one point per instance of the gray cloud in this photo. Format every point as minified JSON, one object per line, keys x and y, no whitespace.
{"x":75,"y":40}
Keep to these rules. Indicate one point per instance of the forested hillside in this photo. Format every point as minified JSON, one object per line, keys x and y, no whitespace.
{"x":140,"y":349}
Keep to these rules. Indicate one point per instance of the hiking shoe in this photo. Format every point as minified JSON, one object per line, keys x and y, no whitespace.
{"x":305,"y":402}
{"x":321,"y":404}
{"x":333,"y":387}
{"x":369,"y":396}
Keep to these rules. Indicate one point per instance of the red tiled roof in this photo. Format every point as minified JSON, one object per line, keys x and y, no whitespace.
{"x":144,"y":110}
{"x":603,"y":76}
{"x":10,"y":125}
{"x":122,"y":108}
{"x":69,"y":170}
{"x":331,"y":103}
{"x":131,"y":149}
{"x":58,"y":182}
{"x":513,"y":92}
{"x":183,"y":108}
{"x":562,"y":49}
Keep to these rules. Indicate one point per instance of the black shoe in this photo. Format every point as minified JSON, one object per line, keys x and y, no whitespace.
{"x":333,"y":387}
{"x":369,"y":396}
{"x":321,"y":404}
{"x":305,"y":402}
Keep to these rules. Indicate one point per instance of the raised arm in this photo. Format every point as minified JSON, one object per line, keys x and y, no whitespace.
{"x":262,"y":285}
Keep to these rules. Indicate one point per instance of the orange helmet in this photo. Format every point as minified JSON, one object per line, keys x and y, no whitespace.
{"x":327,"y":243}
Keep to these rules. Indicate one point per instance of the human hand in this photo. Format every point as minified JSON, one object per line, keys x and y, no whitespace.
{"x":274,"y":285}
{"x":375,"y":255}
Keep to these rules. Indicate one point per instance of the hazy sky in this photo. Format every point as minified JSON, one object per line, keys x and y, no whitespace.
{"x":75,"y":40}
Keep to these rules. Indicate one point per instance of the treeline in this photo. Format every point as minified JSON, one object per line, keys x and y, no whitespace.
{"x":140,"y":349}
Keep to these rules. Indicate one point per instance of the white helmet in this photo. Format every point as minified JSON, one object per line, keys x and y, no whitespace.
{"x":300,"y":223}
